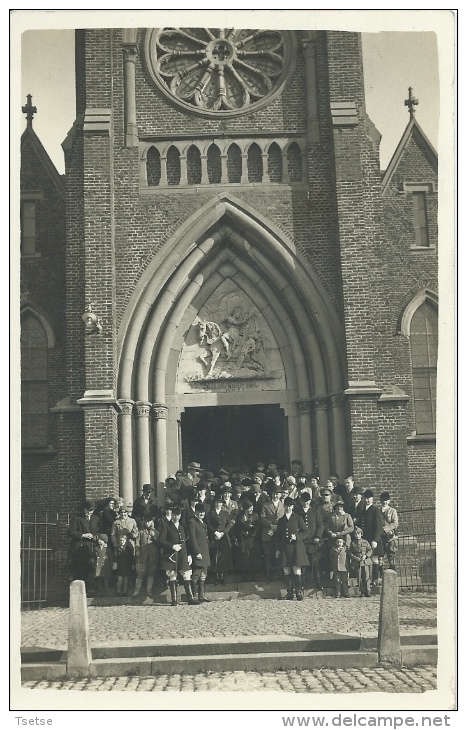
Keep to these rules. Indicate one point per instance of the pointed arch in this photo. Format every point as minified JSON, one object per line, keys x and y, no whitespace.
{"x":229,"y":241}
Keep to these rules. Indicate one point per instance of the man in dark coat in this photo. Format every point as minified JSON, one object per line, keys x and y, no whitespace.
{"x":339,"y":489}
{"x":142,"y":506}
{"x":372,"y":525}
{"x":199,"y":549}
{"x":83,"y":531}
{"x":291,"y":551}
{"x":257,"y":496}
{"x":219,"y":525}
{"x":174,"y":556}
{"x":271,"y":513}
{"x":313,"y":520}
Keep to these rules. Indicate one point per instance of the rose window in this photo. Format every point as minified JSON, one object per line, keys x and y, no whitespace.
{"x":221,"y":71}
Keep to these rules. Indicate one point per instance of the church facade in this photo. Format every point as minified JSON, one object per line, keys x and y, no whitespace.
{"x":223,"y":274}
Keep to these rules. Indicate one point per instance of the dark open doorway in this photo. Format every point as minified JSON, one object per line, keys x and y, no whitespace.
{"x":234,"y":436}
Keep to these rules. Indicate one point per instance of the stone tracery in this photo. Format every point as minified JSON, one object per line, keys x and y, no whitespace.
{"x":219,"y":70}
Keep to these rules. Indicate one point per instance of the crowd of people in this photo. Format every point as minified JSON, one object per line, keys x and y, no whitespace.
{"x":262,"y":522}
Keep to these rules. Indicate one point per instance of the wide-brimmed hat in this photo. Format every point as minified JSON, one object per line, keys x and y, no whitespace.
{"x":288,"y":501}
{"x":194,"y":465}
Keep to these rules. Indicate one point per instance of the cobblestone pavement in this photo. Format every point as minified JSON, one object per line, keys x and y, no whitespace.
{"x":48,"y":627}
{"x":318,"y":681}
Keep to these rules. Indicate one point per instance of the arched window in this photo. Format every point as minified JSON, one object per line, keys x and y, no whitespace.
{"x":255,"y":163}
{"x":424,"y":351}
{"x":34,"y":395}
{"x":275,"y":163}
{"x":193,"y":165}
{"x":214,"y":165}
{"x":173,"y":166}
{"x":234,"y":163}
{"x":294,"y":159}
{"x":153,"y":167}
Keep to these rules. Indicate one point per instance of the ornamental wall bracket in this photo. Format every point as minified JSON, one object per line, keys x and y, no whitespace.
{"x":92,"y":323}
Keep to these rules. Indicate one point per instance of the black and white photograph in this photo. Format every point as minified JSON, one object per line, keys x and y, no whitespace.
{"x":233,"y":326}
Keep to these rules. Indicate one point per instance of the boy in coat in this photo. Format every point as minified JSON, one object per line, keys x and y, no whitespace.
{"x":339,"y":568}
{"x":360,"y":561}
{"x":103,"y":569}
{"x":146,"y":553}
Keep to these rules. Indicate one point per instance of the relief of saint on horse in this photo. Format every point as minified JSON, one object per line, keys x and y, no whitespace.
{"x":246,"y":347}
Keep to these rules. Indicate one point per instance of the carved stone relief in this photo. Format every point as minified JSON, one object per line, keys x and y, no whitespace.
{"x":230,"y":342}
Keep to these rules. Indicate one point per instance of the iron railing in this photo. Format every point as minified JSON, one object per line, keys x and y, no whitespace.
{"x":416,"y":550}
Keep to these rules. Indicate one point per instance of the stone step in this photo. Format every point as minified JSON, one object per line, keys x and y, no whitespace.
{"x":270,"y":661}
{"x":326,"y":642}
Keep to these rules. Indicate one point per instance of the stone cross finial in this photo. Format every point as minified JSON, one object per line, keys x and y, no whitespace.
{"x":29,"y":110}
{"x":411,"y":102}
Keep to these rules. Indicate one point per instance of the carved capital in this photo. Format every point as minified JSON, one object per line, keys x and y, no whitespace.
{"x":126,"y":406}
{"x":321,"y":403}
{"x":143,"y":409}
{"x":130,"y":53}
{"x":337,"y":400}
{"x":159,"y":411}
{"x":309,"y":48}
{"x":303,"y":406}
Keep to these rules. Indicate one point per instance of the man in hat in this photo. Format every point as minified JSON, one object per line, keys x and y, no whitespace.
{"x":193,"y":474}
{"x":356,"y":505}
{"x":83,"y":531}
{"x":228,"y":504}
{"x":290,"y":550}
{"x":295,"y":468}
{"x":257,"y":497}
{"x":174,"y":556}
{"x":271,"y":512}
{"x":142,"y":506}
{"x":390,"y":525}
{"x":372,"y":526}
{"x":311,"y":516}
{"x":188,"y":508}
{"x":199,"y":550}
{"x":219,"y":525}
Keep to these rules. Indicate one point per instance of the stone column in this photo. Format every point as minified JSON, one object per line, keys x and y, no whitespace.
{"x":224,"y":173}
{"x":126,"y":450}
{"x":163,"y":181}
{"x":244,"y":177}
{"x":130,"y":54}
{"x":266,"y":178}
{"x":183,"y":170}
{"x":204,"y":169}
{"x":340,"y":435}
{"x":143,"y":469}
{"x":159,"y":414}
{"x":322,"y":436}
{"x":304,"y":425}
{"x":309,"y":51}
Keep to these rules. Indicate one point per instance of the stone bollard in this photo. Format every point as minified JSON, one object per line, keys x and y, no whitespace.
{"x":79,"y":649}
{"x":389,"y":642}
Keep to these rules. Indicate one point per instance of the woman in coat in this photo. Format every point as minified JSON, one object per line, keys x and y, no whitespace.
{"x":291,"y":551}
{"x":174,"y":556}
{"x":243,"y":534}
{"x":219,"y":525}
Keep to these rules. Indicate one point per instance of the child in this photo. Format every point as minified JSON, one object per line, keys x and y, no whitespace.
{"x":124,"y":555}
{"x":103,"y":572}
{"x":338,"y":565}
{"x":360,"y":560}
{"x":146,"y":557}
